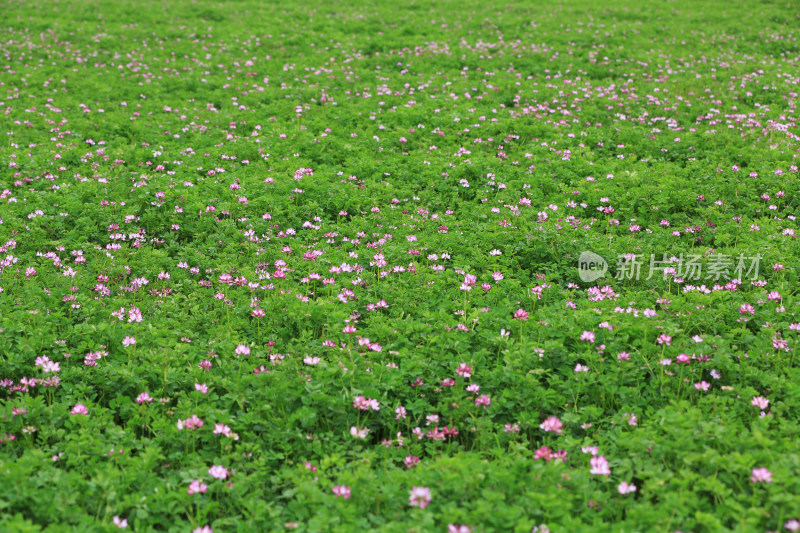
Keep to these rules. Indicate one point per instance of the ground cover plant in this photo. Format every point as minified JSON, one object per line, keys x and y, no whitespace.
{"x":451,"y":266}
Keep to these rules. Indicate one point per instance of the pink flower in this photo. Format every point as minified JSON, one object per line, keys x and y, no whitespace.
{"x":79,"y":409}
{"x":196,"y":486}
{"x":242,"y":350}
{"x":761,"y":475}
{"x":543,"y":453}
{"x":143,"y":397}
{"x":204,"y":529}
{"x":552,"y":424}
{"x":464,"y":370}
{"x":792,"y":525}
{"x":599,"y":466}
{"x":121,"y":523}
{"x":760,"y":402}
{"x":222,"y":429}
{"x":218,"y":472}
{"x":193,"y":422}
{"x":420,"y":497}
{"x":365,"y":404}
{"x":359,"y":433}
{"x":92,"y":358}
{"x":411,"y":461}
{"x":48,"y":365}
{"x":128,"y":341}
{"x":703,"y":386}
{"x":201,"y":387}
{"x":626,"y":488}
{"x":521,"y":314}
{"x":780,"y":344}
{"x":134,"y":315}
{"x":341,"y":491}
{"x":483,"y":400}
{"x":453,"y":528}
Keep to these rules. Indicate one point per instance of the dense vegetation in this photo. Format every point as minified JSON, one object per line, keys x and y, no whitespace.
{"x":314,"y":266}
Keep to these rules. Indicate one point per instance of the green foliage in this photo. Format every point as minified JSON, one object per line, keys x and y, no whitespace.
{"x":233,"y":184}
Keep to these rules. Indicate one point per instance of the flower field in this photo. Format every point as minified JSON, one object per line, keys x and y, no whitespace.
{"x":454,"y":267}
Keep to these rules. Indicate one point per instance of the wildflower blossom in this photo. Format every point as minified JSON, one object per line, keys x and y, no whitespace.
{"x":218,"y":472}
{"x":341,"y":491}
{"x":241,"y":349}
{"x":761,"y":475}
{"x":420,"y":497}
{"x":552,"y":424}
{"x":79,"y":409}
{"x":144,"y":397}
{"x":196,"y":487}
{"x":599,"y":466}
{"x":760,"y":402}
